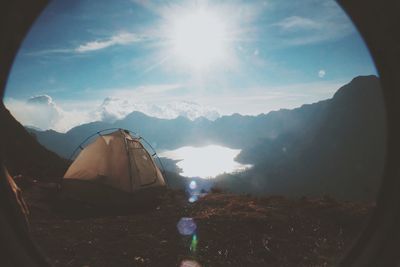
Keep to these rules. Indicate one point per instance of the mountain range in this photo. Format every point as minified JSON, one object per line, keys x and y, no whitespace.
{"x":340,"y":152}
{"x":234,"y":131}
{"x":335,"y":146}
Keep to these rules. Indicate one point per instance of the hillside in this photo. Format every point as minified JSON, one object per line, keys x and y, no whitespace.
{"x":232,"y":230}
{"x":342,"y":154}
{"x":23,"y":154}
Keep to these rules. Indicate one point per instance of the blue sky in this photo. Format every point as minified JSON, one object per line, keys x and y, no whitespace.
{"x":90,"y":60}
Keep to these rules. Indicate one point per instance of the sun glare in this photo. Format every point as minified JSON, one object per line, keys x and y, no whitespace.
{"x":199,"y":39}
{"x":205,"y":162}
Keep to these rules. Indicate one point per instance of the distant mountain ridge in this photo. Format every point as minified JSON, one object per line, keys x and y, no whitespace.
{"x":334,"y":147}
{"x":342,"y":154}
{"x":234,"y":131}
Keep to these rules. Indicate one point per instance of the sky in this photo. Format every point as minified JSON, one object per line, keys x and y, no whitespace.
{"x":91,"y":60}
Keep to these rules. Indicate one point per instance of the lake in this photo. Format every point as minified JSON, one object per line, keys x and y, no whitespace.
{"x":205,"y":162}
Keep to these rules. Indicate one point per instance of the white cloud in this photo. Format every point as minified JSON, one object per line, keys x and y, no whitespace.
{"x":47,"y":52}
{"x":161,"y":100}
{"x":39,"y":111}
{"x":328,"y":22}
{"x":41,"y":100}
{"x":296,"y":23}
{"x":114,"y":108}
{"x":119,"y":39}
{"x":321,"y":73}
{"x":42,"y":112}
{"x":124,"y":38}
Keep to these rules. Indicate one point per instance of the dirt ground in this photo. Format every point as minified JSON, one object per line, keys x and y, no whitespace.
{"x":224,"y":230}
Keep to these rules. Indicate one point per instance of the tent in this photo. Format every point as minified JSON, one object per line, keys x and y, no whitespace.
{"x":114,"y":166}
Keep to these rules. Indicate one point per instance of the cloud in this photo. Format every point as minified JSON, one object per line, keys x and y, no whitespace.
{"x":321,"y":73}
{"x":296,"y":23}
{"x":42,"y":112}
{"x":311,"y":22}
{"x":114,"y":108}
{"x":158,"y":100}
{"x":119,"y":39}
{"x":39,"y":111}
{"x":41,"y":100}
{"x":47,"y":52}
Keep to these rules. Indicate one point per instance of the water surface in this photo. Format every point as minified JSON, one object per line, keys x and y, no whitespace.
{"x":205,"y":162}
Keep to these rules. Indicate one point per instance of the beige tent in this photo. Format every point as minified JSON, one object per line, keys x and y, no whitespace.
{"x":113,"y":162}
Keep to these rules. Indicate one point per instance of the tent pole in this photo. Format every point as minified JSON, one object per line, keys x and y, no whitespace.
{"x":128,"y":157}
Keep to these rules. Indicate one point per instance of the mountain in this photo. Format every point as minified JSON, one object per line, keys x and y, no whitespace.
{"x":23,"y":154}
{"x":341,"y":154}
{"x":234,"y":131}
{"x":335,"y":146}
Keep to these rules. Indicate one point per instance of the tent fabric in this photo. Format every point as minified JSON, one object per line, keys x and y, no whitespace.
{"x":117,"y":160}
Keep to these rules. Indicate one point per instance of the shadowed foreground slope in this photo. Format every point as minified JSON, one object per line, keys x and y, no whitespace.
{"x":23,"y":154}
{"x":232,"y":230}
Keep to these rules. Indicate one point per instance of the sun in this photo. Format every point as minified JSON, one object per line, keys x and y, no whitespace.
{"x":199,"y":39}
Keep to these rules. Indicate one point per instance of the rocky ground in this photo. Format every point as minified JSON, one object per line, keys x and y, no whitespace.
{"x":222,"y":230}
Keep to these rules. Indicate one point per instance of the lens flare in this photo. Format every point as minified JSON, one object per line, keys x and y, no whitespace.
{"x":186,"y":226}
{"x":193,"y":199}
{"x":193,"y":245}
{"x":190,"y":263}
{"x":193,"y":185}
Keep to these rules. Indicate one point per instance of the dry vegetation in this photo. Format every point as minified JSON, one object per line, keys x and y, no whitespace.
{"x":232,"y":230}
